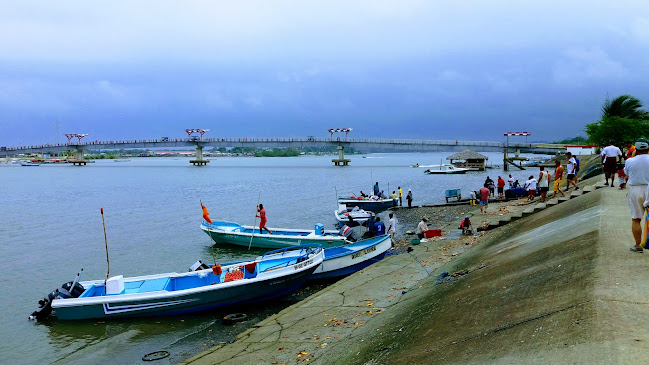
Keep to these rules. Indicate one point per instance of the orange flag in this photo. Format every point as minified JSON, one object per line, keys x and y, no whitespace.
{"x":206,"y":215}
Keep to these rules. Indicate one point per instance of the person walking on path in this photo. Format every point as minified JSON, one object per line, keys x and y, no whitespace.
{"x":630,"y":150}
{"x":262,"y":219}
{"x":376,"y":189}
{"x":610,"y":155}
{"x":544,"y":183}
{"x":501,"y":187}
{"x":530,"y":185}
{"x":409,"y":198}
{"x":558,"y":176}
{"x":484,"y":199}
{"x":571,"y":169}
{"x":400,"y":197}
{"x":637,"y":169}
{"x":392,"y":228}
{"x":422,"y":228}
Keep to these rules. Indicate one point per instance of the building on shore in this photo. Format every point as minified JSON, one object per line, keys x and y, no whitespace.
{"x":469,"y":159}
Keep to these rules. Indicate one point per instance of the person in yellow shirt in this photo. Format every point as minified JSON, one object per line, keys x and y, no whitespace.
{"x":400,"y":196}
{"x":558,"y":176}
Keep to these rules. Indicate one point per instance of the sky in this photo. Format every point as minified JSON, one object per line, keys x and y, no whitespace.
{"x":468,"y":70}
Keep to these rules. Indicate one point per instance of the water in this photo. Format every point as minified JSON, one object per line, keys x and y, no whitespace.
{"x":50,"y":227}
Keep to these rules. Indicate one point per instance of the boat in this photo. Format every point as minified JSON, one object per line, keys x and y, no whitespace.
{"x":348,"y":259}
{"x":29,"y":164}
{"x":235,"y":234}
{"x":418,"y":165}
{"x":371,"y":204}
{"x":358,"y":215}
{"x":271,"y":276}
{"x":446,"y":169}
{"x":121,"y":160}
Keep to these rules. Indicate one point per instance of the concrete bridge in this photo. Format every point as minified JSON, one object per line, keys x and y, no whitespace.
{"x":366,"y":145}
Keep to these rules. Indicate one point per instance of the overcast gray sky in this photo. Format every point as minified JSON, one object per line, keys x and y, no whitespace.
{"x":404,"y":69}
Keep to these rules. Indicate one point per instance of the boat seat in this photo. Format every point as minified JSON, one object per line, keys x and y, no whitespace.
{"x":154,"y":285}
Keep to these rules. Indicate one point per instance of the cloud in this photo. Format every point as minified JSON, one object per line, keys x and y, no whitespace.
{"x":578,"y":65}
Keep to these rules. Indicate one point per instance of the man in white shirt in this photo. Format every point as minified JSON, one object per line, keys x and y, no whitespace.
{"x":571,"y":169}
{"x":610,"y":155}
{"x":544,"y":183}
{"x":392,"y":228}
{"x":511,"y":181}
{"x":530,"y":185}
{"x":637,"y":169}
{"x":422,"y":228}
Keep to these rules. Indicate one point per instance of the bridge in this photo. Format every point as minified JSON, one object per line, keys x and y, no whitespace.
{"x":366,"y":145}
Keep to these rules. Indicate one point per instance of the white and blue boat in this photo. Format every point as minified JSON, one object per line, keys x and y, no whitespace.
{"x":374,"y":205}
{"x":248,"y":236}
{"x":346,"y":260}
{"x":272,"y":275}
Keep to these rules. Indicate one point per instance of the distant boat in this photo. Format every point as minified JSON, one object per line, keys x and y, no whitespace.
{"x":270,"y":276}
{"x":121,"y":160}
{"x":446,"y":169}
{"x":374,"y":205}
{"x":29,"y":164}
{"x":235,"y":234}
{"x":418,"y":165}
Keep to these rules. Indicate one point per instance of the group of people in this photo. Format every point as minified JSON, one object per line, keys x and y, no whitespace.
{"x":396,"y":194}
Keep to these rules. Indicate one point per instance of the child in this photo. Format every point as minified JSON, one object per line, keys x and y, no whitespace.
{"x":621,"y":176}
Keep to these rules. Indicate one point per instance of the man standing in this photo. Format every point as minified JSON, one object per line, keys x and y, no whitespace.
{"x":610,"y":155}
{"x":262,"y":219}
{"x":484,"y":199}
{"x":530,"y":185}
{"x":409,"y":198}
{"x":400,"y":197}
{"x":558,"y":176}
{"x":637,"y":169}
{"x":572,"y":172}
{"x":376,"y":189}
{"x":511,"y":182}
{"x":422,"y":228}
{"x":379,"y":227}
{"x":544,"y":183}
{"x":392,"y":229}
{"x":501,"y":187}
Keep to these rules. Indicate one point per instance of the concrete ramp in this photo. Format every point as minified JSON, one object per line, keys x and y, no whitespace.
{"x":560,"y":286}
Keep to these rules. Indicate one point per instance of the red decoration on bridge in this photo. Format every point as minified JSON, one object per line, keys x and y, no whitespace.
{"x":191,"y":131}
{"x":76,"y":135}
{"x":334,"y":130}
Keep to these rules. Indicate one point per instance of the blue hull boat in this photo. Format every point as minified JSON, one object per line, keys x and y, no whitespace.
{"x":366,"y":204}
{"x":346,"y":260}
{"x":271,"y":276}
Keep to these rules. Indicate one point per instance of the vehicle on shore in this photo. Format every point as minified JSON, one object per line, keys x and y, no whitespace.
{"x":269,"y":276}
{"x":248,"y":236}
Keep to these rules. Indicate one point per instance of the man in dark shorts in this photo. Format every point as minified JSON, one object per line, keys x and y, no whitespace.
{"x":610,"y":155}
{"x":262,"y":219}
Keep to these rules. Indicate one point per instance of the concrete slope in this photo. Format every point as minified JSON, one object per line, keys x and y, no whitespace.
{"x":560,"y":286}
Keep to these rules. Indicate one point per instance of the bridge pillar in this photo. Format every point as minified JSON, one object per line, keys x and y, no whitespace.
{"x":78,"y":158}
{"x":199,"y":161}
{"x":341,"y":160}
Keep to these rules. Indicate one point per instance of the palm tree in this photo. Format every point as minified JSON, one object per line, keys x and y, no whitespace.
{"x":624,"y":106}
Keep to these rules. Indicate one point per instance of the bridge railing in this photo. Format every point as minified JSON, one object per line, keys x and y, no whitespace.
{"x":73,"y":145}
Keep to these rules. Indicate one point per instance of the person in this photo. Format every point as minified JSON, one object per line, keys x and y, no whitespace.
{"x":558,"y":176}
{"x":394,"y":194}
{"x":379,"y":227}
{"x":530,"y":185}
{"x":472,"y":197}
{"x":511,"y":181}
{"x":409,"y":198}
{"x":376,"y":188}
{"x":489,"y":184}
{"x":466,"y":226}
{"x":516,"y":184}
{"x":544,"y":183}
{"x":637,"y":169}
{"x":610,"y":156}
{"x":400,"y":197}
{"x":484,"y":199}
{"x":501,"y":187}
{"x":392,"y":228}
{"x":371,"y":229}
{"x":382,"y":195}
{"x":262,"y":219}
{"x":422,"y":228}
{"x":363,"y":194}
{"x":571,"y":168}
{"x":621,"y":176}
{"x":630,"y":150}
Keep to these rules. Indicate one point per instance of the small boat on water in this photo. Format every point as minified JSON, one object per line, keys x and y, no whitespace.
{"x":235,"y":234}
{"x":121,"y":160}
{"x":358,"y":216}
{"x":29,"y":164}
{"x":371,"y":204}
{"x":270,"y":276}
{"x":446,"y":169}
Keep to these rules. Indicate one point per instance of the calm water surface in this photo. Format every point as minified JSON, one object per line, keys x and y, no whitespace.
{"x":50,"y":227}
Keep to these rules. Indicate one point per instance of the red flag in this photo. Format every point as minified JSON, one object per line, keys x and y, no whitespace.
{"x":206,"y":215}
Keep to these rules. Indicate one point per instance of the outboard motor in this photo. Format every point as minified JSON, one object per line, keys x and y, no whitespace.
{"x":71,"y":289}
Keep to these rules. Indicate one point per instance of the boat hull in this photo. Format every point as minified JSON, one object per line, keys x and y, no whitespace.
{"x":371,"y":205}
{"x":360,"y":256}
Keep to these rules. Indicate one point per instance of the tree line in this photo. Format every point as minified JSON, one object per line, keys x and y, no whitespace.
{"x":623,"y":120}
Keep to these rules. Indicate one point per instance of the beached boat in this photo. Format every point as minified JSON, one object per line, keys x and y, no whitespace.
{"x":446,"y":169}
{"x":235,"y":234}
{"x":358,"y":215}
{"x":270,"y":276}
{"x":374,"y":205}
{"x":346,"y":260}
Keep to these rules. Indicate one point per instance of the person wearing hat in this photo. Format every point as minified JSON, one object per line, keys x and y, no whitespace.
{"x":637,"y":169}
{"x":466,"y":225}
{"x":422,"y":228}
{"x":610,"y":155}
